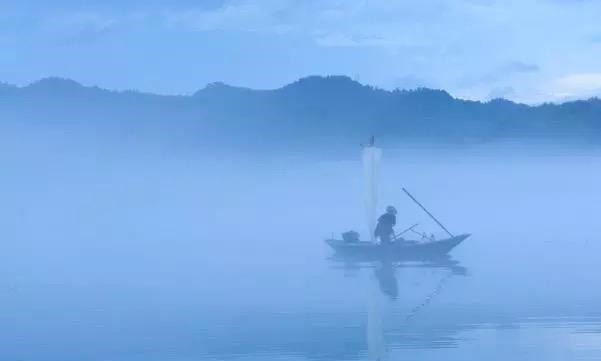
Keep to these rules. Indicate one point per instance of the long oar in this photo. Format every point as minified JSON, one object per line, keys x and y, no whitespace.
{"x":425,"y":210}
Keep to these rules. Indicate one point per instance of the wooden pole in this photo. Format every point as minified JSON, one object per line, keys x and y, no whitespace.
{"x":425,"y":210}
{"x":396,"y":236}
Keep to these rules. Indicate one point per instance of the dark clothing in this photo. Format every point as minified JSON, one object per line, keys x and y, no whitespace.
{"x":387,"y":220}
{"x":384,"y":229}
{"x":385,"y":237}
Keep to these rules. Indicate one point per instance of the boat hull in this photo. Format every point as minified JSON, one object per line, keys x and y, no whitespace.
{"x":398,"y":249}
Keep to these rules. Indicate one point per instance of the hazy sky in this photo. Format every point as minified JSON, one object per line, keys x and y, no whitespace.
{"x":526,"y":50}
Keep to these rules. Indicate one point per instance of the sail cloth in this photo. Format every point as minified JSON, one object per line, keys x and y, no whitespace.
{"x":371,"y":157}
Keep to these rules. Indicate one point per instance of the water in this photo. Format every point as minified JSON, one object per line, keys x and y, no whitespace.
{"x":146,"y":257}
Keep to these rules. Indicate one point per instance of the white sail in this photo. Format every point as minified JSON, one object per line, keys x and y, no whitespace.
{"x":371,"y":157}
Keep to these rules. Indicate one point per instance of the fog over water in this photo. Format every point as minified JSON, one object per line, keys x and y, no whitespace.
{"x":114,"y":252}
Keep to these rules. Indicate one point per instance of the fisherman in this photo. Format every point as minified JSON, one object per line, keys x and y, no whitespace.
{"x":386,"y":222}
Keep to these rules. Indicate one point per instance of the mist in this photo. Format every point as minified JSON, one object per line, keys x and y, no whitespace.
{"x":124,"y":251}
{"x":348,"y":180}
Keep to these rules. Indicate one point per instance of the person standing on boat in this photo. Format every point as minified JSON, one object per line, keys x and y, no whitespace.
{"x":384,"y":230}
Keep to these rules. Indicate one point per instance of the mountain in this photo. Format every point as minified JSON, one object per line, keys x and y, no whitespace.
{"x":311,"y":111}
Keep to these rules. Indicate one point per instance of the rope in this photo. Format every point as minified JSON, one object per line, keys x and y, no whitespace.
{"x":429,"y":298}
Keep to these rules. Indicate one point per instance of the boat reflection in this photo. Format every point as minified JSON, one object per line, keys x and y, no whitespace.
{"x":385,"y":269}
{"x":384,"y":282}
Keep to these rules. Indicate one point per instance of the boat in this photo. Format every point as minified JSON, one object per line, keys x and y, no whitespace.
{"x":427,"y":248}
{"x":397,"y":249}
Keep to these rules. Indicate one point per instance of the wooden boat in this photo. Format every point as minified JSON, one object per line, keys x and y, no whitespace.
{"x":350,"y":244}
{"x":397,"y":249}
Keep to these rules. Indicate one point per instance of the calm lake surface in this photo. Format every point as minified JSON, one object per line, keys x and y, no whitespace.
{"x":105,"y":257}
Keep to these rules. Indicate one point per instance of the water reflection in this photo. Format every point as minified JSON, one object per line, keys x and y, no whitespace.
{"x":385,"y":270}
{"x":385,"y":273}
{"x":383,"y":287}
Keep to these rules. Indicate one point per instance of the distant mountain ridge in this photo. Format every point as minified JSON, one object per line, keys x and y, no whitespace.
{"x":311,"y":110}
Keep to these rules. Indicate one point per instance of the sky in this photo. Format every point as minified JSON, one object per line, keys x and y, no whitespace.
{"x":529,"y":51}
